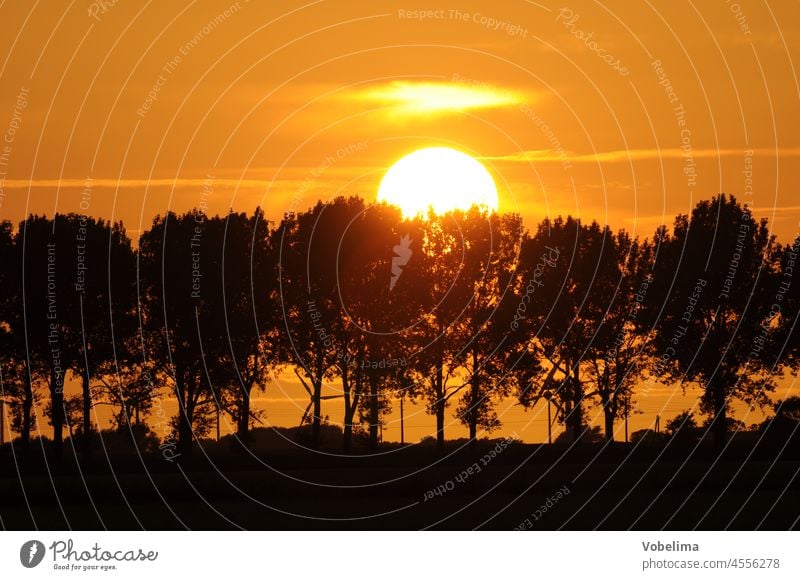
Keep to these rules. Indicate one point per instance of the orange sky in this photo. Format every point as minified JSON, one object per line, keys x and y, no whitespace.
{"x":623,"y":112}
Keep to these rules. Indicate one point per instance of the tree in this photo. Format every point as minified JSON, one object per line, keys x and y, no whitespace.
{"x":22,"y":372}
{"x":378,"y":306}
{"x":180,"y":261}
{"x":105,"y":317}
{"x":48,"y":254}
{"x":309,"y":297}
{"x":70,"y":264}
{"x":618,"y":353}
{"x":72,"y":408}
{"x":788,"y":409}
{"x":683,"y":427}
{"x":717,"y":272}
{"x":16,"y":382}
{"x":490,"y":252}
{"x":570,"y":273}
{"x":130,"y":390}
{"x":8,"y":300}
{"x":249,"y":283}
{"x":432,"y":277}
{"x":786,"y":338}
{"x":784,"y":426}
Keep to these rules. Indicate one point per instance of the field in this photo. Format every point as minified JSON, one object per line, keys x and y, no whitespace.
{"x":493,"y":485}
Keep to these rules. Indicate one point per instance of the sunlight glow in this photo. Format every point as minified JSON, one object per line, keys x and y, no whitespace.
{"x":414,"y":97}
{"x":438,"y":178}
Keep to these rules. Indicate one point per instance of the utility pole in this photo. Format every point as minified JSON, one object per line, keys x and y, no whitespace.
{"x":658,"y":423}
{"x":549,"y":424}
{"x":2,"y":421}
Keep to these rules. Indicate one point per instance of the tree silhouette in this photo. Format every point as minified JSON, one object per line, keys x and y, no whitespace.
{"x":250,"y":313}
{"x":309,"y":296}
{"x":368,"y":306}
{"x":784,"y":426}
{"x":180,"y":268}
{"x":618,"y":353}
{"x":21,"y":371}
{"x":130,"y":389}
{"x":571,"y":276}
{"x":377,"y":308}
{"x":49,"y":258}
{"x":491,"y":248}
{"x":683,"y":427}
{"x":786,"y":336}
{"x":717,"y":271}
{"x":106,"y":306}
{"x":434,"y":278}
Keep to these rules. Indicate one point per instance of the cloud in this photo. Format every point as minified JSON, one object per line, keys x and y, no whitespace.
{"x":623,"y":155}
{"x":126,"y":183}
{"x":258,"y":178}
{"x":432,"y":97}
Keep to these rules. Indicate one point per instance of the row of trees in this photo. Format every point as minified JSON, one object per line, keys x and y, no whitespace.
{"x":462,"y":309}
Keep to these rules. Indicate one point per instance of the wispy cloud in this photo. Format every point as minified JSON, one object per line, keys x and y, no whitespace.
{"x":433,"y":97}
{"x":624,"y":155}
{"x":257,"y":178}
{"x":127,"y":183}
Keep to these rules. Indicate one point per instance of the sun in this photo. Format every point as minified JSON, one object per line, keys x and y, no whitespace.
{"x":437,"y":178}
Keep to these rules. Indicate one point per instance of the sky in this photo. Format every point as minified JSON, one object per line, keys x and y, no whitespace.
{"x":627,"y":113}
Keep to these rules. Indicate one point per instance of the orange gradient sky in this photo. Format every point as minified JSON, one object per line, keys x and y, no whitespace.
{"x":623,"y":112}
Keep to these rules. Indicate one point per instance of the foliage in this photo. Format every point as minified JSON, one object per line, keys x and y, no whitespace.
{"x":458,"y":310}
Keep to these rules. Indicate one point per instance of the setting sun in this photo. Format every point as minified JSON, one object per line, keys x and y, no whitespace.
{"x":439,"y":178}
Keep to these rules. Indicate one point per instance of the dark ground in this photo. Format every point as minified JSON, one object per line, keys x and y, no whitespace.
{"x":651,"y":487}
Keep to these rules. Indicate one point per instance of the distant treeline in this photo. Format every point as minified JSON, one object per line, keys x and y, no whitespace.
{"x":463,"y":309}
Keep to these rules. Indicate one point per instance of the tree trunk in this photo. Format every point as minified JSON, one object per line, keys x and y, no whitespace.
{"x":243,"y":424}
{"x":183,"y":392}
{"x":374,"y":413}
{"x":609,"y":413}
{"x":57,"y":413}
{"x":439,"y":404}
{"x":347,"y":430}
{"x":347,"y":433}
{"x":347,"y":427}
{"x":316,"y":421}
{"x":86,"y":442}
{"x":569,"y":418}
{"x":474,"y":402}
{"x":720,"y":430}
{"x":575,"y":417}
{"x":27,"y":405}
